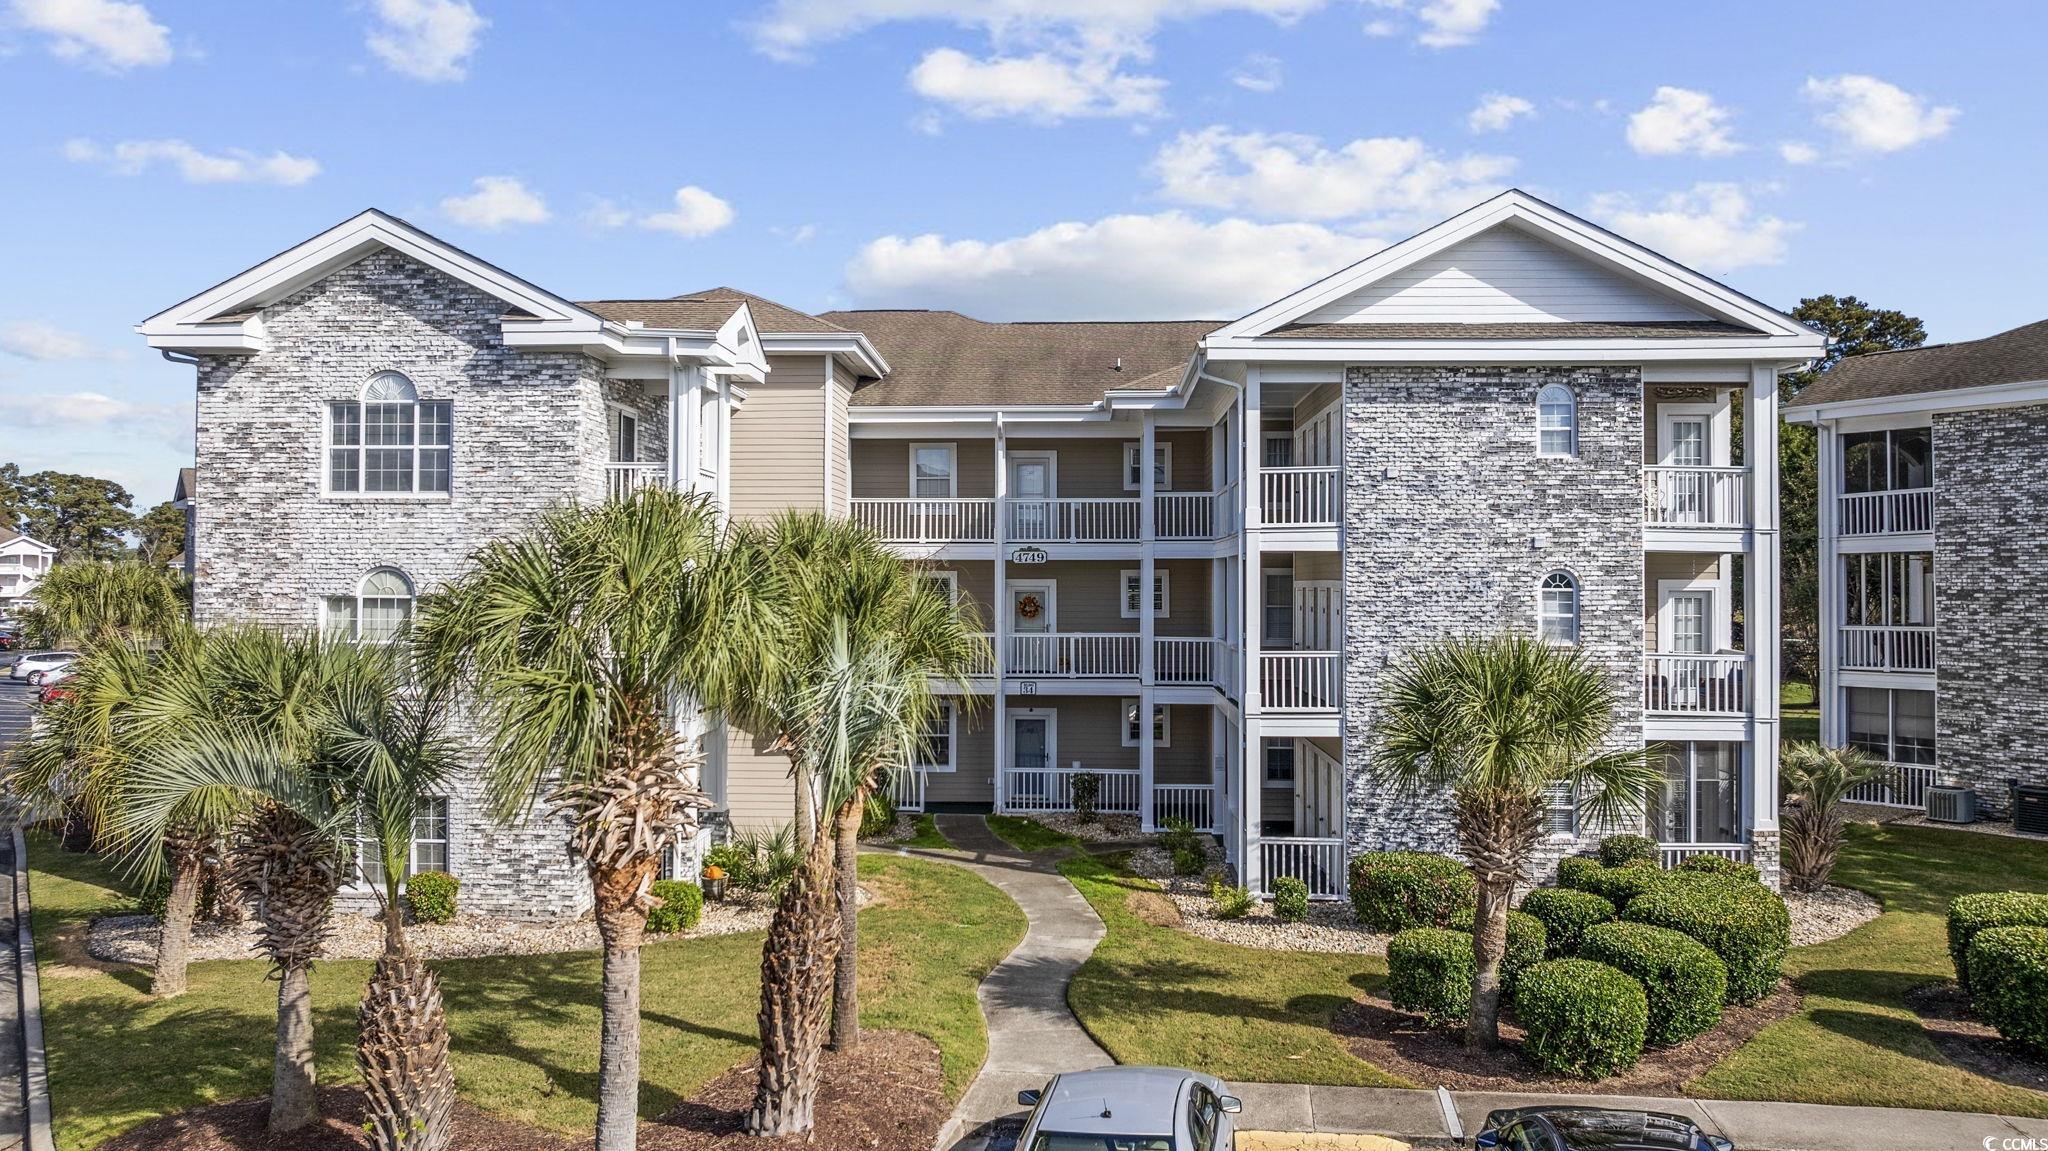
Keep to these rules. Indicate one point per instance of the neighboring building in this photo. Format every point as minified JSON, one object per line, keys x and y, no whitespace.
{"x":1197,"y":544}
{"x":183,"y":496}
{"x":23,"y":562}
{"x":1932,"y":645}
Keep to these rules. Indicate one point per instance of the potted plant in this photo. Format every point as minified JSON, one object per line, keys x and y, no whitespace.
{"x":714,"y":883}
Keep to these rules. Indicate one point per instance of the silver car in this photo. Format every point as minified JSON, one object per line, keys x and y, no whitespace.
{"x":1130,"y":1109}
{"x":39,"y":661}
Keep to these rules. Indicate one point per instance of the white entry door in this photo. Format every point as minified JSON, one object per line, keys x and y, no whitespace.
{"x":1685,"y":440}
{"x":1686,"y":626}
{"x":1034,"y":605}
{"x":1031,"y":496}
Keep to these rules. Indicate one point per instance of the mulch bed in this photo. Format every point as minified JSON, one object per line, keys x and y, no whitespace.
{"x":1400,"y":1044}
{"x":889,"y":1094}
{"x":1971,"y":1043}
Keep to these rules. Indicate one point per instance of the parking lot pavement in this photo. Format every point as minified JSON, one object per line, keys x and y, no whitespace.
{"x":17,"y":704}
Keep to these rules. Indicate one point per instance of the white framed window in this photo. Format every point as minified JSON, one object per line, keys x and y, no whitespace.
{"x":1700,"y":798}
{"x":388,"y":441}
{"x":1279,"y":757}
{"x":1560,"y":810}
{"x":1894,"y":724}
{"x":625,"y":436}
{"x":1276,"y":450}
{"x":1162,"y":467}
{"x":946,"y":580}
{"x":429,"y":843}
{"x":1557,"y":421}
{"x":1162,"y":731}
{"x":1557,"y":608}
{"x":378,"y":612}
{"x":934,"y":750}
{"x":932,"y":471}
{"x":1133,"y":594}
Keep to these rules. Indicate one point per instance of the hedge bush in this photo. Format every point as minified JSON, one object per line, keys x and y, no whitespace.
{"x":682,"y":905}
{"x":1744,"y":924}
{"x":1179,"y":836}
{"x":2009,"y":966}
{"x":1290,"y":899}
{"x":1684,"y":982}
{"x":1720,"y":865}
{"x":1969,"y":914}
{"x":877,"y":816}
{"x":1527,"y":941}
{"x":430,"y":896}
{"x":1583,"y":1018}
{"x":1565,"y":915}
{"x":1229,"y":902}
{"x":1573,"y":870}
{"x":1189,"y":861}
{"x":1618,"y":885}
{"x":1396,"y":890}
{"x":1628,"y":851}
{"x":1429,"y":972}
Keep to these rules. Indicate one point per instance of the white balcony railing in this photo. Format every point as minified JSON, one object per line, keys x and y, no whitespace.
{"x":1696,"y":497}
{"x":1902,"y":648}
{"x":1184,"y":516}
{"x":1070,"y":653}
{"x":928,"y":521}
{"x":1886,"y":513}
{"x":1193,"y":802}
{"x":1079,"y":521}
{"x":1052,"y":789}
{"x":1316,"y":862}
{"x":1300,"y":680}
{"x":1299,"y":497}
{"x":1670,"y":855}
{"x":1696,"y":684}
{"x":1901,"y":785}
{"x":906,"y":789}
{"x":1176,"y":660}
{"x":984,"y":663}
{"x":622,"y":480}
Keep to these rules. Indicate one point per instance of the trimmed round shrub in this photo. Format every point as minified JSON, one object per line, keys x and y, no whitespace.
{"x":1720,"y":866}
{"x":1565,"y":915}
{"x":1628,"y":851}
{"x":1429,"y":972}
{"x":1527,"y":941}
{"x":1744,"y":924}
{"x":1969,"y":914}
{"x":1584,"y":1019}
{"x":682,"y":905}
{"x":1229,"y":902}
{"x":2009,"y":968}
{"x":430,"y":896}
{"x":1396,"y":890}
{"x":1290,"y":899}
{"x":1684,"y":982}
{"x":1619,"y":885}
{"x":1573,"y":871}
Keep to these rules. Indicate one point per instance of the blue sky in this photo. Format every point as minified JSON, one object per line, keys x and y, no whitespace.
{"x":1012,"y":158}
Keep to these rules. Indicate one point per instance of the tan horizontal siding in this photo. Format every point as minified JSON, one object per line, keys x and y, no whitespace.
{"x":759,"y":793}
{"x":778,"y":440}
{"x":881,"y":468}
{"x":1673,"y":566}
{"x":972,"y":779}
{"x":1082,"y":468}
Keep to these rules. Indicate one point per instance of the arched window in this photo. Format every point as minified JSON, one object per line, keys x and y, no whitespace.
{"x":1557,"y":608}
{"x":1557,"y":421}
{"x":388,"y":441}
{"x":378,"y":611}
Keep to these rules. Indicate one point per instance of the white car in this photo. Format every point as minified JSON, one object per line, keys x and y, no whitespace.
{"x":1130,"y":1109}
{"x":31,"y":664}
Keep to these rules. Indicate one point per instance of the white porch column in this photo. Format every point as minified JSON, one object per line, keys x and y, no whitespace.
{"x":1148,"y":438}
{"x":1828,"y":450}
{"x":1251,"y":760}
{"x":1761,"y":601}
{"x":999,"y":625}
{"x":724,"y":485}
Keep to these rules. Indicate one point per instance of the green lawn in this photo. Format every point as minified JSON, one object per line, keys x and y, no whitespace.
{"x":1854,"y":1040}
{"x":524,"y":1028}
{"x":1029,"y":835}
{"x":1798,"y":714}
{"x":928,"y":835}
{"x":1158,"y":995}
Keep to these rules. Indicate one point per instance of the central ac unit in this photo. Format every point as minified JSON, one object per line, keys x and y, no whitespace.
{"x":2030,"y":809}
{"x":1951,"y":805}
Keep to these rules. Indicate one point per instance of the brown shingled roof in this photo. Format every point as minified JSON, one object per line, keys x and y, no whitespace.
{"x":769,"y":316}
{"x":1561,"y":330}
{"x":688,"y":315}
{"x":2007,"y":358}
{"x":947,"y":359}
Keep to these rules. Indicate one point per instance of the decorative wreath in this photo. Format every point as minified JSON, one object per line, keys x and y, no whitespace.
{"x":1029,"y":607}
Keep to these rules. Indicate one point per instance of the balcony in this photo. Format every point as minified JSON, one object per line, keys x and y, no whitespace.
{"x":1696,"y":497}
{"x":1319,"y":863}
{"x":1901,"y":648}
{"x":622,"y":480}
{"x":1193,"y":803}
{"x":1186,"y":661}
{"x":1194,"y":515}
{"x":928,"y":521}
{"x":1699,"y":685}
{"x":1073,"y":655}
{"x":1300,"y":497}
{"x":1072,"y":521}
{"x":1900,"y":512}
{"x":1052,"y":789}
{"x":1301,"y":681}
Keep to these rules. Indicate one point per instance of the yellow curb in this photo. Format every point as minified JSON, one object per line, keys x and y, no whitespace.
{"x":1305,"y":1141}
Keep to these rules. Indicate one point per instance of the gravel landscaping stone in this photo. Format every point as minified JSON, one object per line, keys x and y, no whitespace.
{"x":1829,"y":913}
{"x":1104,"y":829}
{"x":1330,"y":927}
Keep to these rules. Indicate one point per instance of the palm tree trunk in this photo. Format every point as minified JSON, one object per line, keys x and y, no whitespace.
{"x":1489,"y":945}
{"x":806,"y":808}
{"x":174,"y":943}
{"x":294,"y":1102}
{"x":402,"y":1050}
{"x":845,"y":981}
{"x":1496,"y":830}
{"x":621,"y":924}
{"x":796,"y":989}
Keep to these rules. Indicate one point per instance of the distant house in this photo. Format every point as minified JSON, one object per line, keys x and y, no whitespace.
{"x":23,"y":562}
{"x":184,"y":497}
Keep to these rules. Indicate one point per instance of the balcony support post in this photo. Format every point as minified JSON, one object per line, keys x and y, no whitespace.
{"x":1761,"y":608}
{"x":1252,"y":760}
{"x":1148,"y":438}
{"x":1000,"y":625}
{"x":1828,"y":453}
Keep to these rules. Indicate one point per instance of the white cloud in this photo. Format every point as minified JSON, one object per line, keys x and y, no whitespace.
{"x":1119,"y":267}
{"x":793,"y":27}
{"x":697,"y":213}
{"x":41,"y":340}
{"x":498,"y":202}
{"x":109,"y":34}
{"x":1445,"y":23}
{"x":426,"y":39}
{"x":1042,"y":86}
{"x":1258,"y":73}
{"x":1712,"y":227}
{"x":232,"y":166}
{"x":1497,"y":111}
{"x":1677,"y":121}
{"x":1294,"y":176}
{"x":800,"y":234}
{"x":608,"y":214}
{"x":1869,"y":115}
{"x":93,"y":411}
{"x":1798,"y":152}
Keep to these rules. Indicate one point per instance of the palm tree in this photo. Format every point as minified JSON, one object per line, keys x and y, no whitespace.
{"x":85,"y":602}
{"x":578,"y":643}
{"x":1500,"y":723}
{"x":1813,"y":781}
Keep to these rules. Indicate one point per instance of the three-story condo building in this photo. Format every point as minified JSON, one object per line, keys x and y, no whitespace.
{"x":1198,"y":545}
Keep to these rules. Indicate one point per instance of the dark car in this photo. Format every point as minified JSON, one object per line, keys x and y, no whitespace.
{"x":1594,"y":1129}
